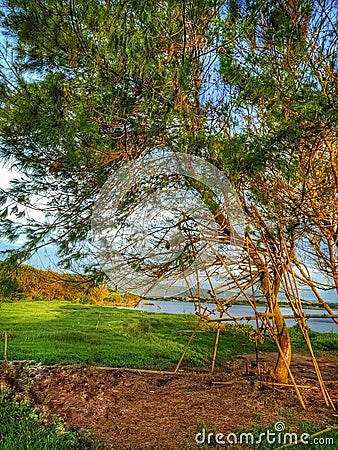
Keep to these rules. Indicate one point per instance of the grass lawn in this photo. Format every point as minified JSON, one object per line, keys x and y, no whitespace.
{"x":67,"y":333}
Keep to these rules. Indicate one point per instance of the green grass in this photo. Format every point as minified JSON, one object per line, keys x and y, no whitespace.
{"x":66,"y":333}
{"x":21,"y":428}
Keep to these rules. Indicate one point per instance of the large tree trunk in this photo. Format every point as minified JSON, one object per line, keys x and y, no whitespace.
{"x":269,"y":286}
{"x":281,"y":372}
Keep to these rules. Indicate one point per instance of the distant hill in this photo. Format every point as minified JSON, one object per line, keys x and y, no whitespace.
{"x":29,"y":283}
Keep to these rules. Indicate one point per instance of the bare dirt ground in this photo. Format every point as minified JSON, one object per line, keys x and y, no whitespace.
{"x":164,"y":411}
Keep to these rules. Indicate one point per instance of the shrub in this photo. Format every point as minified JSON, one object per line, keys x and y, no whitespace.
{"x":98,"y":294}
{"x":9,"y":287}
{"x":84,"y":299}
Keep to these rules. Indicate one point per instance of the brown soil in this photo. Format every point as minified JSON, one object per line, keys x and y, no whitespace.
{"x":140,"y":410}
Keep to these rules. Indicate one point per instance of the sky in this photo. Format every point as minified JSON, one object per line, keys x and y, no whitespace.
{"x":45,"y":258}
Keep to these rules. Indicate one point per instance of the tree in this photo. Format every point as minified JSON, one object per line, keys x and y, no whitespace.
{"x":281,"y":70}
{"x":249,"y":86}
{"x":93,"y":84}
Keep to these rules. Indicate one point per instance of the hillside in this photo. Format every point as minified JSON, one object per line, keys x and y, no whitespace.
{"x":28,"y":283}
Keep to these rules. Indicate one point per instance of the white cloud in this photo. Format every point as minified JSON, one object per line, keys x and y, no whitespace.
{"x":8,"y":174}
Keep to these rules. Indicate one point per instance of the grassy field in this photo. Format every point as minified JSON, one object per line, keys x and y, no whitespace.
{"x":66,"y":333}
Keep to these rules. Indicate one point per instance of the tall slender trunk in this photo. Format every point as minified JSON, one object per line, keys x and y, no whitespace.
{"x":281,"y":370}
{"x":269,"y":286}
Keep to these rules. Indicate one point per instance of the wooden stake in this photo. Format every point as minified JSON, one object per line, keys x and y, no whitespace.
{"x":272,"y":384}
{"x":215,"y":349}
{"x":6,"y":345}
{"x":266,"y":315}
{"x":98,"y":321}
{"x":188,"y":344}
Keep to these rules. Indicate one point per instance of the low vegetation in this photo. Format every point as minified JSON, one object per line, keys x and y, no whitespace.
{"x":21,"y":428}
{"x":67,"y":333}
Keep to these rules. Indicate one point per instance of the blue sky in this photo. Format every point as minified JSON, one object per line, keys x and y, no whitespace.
{"x":45,"y":258}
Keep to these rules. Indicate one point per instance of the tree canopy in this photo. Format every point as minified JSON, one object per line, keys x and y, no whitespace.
{"x":87,"y":85}
{"x":250,"y":86}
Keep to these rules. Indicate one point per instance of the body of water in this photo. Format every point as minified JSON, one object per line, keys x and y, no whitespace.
{"x":324,"y":325}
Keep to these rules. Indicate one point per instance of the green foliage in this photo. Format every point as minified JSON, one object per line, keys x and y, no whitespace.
{"x":250,"y":86}
{"x":21,"y":427}
{"x":83,"y":299}
{"x":8,"y":287}
{"x":27,"y":282}
{"x":126,"y":299}
{"x":94,"y":85}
